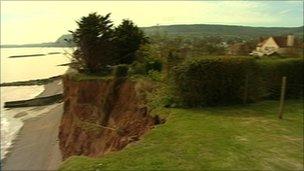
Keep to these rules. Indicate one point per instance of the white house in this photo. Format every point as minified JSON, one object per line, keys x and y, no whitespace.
{"x":279,"y":44}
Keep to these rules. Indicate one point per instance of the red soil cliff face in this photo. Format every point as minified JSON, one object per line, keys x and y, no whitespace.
{"x":102,"y":116}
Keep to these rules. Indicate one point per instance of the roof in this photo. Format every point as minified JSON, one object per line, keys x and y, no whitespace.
{"x":281,"y":41}
{"x":262,"y":42}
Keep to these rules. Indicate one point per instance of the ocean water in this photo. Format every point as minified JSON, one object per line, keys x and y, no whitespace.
{"x":22,"y":69}
{"x":28,"y":68}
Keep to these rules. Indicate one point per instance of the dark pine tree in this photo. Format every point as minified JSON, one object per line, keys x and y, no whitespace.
{"x":94,"y":39}
{"x":128,"y":39}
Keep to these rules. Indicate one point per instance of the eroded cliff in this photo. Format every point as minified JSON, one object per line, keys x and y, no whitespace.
{"x":103,"y":115}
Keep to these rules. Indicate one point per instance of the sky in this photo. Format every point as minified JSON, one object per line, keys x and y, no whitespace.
{"x":25,"y":22}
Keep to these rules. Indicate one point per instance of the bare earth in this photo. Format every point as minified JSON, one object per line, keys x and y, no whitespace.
{"x":36,"y":146}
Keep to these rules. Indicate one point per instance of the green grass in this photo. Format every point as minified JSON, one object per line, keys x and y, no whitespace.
{"x":219,"y":138}
{"x":76,"y":76}
{"x":86,"y":77}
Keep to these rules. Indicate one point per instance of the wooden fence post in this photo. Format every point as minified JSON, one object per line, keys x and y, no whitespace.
{"x":282,"y":98}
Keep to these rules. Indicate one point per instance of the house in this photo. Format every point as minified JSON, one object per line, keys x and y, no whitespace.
{"x":281,"y":45}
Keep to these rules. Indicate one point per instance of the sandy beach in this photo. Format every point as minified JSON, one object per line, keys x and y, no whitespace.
{"x":36,"y":145}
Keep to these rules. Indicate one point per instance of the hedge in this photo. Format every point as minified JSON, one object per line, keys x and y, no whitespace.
{"x":222,"y":80}
{"x":217,"y":81}
{"x":274,"y":69}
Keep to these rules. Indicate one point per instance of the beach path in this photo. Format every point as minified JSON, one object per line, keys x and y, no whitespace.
{"x":36,"y":146}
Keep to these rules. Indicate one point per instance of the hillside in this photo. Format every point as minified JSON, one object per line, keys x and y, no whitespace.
{"x":60,"y":42}
{"x":64,"y":38}
{"x":226,"y":31}
{"x":195,"y":30}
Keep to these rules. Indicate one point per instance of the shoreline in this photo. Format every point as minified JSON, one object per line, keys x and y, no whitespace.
{"x":36,"y":146}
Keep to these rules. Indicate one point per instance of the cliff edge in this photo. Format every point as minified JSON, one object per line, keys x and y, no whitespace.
{"x":103,"y":115}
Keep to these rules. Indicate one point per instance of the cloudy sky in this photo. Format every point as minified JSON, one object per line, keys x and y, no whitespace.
{"x":44,"y":21}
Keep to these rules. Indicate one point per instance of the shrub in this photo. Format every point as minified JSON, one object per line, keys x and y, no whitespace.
{"x":121,"y":70}
{"x":138,"y":68}
{"x":162,"y":96}
{"x":214,"y":81}
{"x":153,"y":65}
{"x":155,"y":75}
{"x":148,"y":65}
{"x":274,"y":69}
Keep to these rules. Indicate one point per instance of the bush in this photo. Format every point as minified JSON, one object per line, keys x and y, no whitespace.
{"x":155,"y":76}
{"x":138,"y":68}
{"x":146,"y":66}
{"x":161,"y":97}
{"x":153,"y":65}
{"x":121,"y":70}
{"x":274,"y":69}
{"x":214,"y":81}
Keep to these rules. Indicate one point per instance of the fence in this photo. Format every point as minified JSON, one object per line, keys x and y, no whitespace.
{"x":279,"y":93}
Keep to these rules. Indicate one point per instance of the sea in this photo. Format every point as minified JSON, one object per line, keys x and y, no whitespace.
{"x":23,"y":69}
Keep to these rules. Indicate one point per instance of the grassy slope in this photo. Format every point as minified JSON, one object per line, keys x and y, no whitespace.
{"x":234,"y":137}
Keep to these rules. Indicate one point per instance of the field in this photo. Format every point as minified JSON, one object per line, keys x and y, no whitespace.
{"x":218,"y":138}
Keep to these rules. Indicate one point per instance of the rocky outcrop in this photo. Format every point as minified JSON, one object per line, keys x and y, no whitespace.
{"x":102,"y":115}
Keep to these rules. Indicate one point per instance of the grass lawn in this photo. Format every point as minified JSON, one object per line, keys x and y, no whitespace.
{"x":218,"y":138}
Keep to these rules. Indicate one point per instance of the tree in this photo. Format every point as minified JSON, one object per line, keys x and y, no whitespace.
{"x":247,"y":47}
{"x":94,"y":40}
{"x":100,"y":45}
{"x":128,"y":39}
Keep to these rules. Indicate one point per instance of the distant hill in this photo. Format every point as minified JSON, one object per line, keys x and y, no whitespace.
{"x":60,"y":42}
{"x":225,"y":31}
{"x":195,"y":30}
{"x":63,"y":39}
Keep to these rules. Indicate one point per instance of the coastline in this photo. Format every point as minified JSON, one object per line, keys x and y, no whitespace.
{"x":36,"y":144}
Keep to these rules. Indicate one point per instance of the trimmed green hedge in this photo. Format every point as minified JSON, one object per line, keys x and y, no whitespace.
{"x":222,"y":80}
{"x":217,"y":80}
{"x":274,"y":69}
